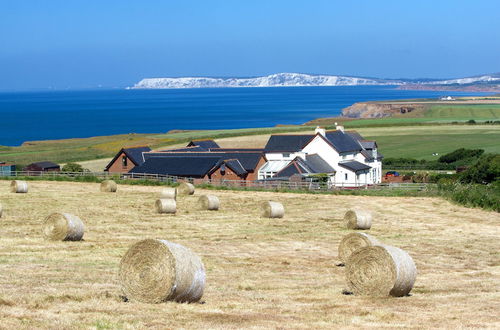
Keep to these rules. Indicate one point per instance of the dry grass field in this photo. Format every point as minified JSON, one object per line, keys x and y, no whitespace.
{"x":261,"y":273}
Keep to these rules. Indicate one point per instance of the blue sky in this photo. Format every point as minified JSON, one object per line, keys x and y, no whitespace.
{"x":84,"y":44}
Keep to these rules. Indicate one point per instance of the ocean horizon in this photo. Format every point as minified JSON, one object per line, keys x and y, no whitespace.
{"x":49,"y":115}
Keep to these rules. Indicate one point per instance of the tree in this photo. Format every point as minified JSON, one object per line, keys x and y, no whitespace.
{"x":485,"y":170}
{"x":72,"y":167}
{"x":460,"y":154}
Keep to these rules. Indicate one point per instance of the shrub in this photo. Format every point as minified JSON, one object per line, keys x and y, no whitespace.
{"x":485,"y":170}
{"x":460,"y":154}
{"x":72,"y":167}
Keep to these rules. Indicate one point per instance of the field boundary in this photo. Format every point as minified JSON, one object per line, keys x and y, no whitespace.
{"x":173,"y":180}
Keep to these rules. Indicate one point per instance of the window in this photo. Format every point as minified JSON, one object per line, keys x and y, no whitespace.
{"x":286,"y":155}
{"x":344,"y":157}
{"x":346,"y":176}
{"x":124,"y":161}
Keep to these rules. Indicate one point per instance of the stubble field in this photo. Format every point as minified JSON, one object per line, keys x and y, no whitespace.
{"x":261,"y":273}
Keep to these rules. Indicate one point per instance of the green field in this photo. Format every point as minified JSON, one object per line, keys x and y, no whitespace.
{"x":421,"y":142}
{"x":433,"y":114}
{"x":464,"y":112}
{"x":72,"y":150}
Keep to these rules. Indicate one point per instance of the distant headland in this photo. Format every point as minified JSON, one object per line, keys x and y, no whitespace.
{"x":487,"y":82}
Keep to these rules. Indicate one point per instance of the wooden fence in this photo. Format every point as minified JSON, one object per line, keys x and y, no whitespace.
{"x":260,"y":184}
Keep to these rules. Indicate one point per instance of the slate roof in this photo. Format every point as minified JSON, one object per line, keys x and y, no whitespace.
{"x":233,"y":164}
{"x":289,"y":170}
{"x":312,"y":164}
{"x":236,"y":166}
{"x":237,"y":150}
{"x":318,"y":164}
{"x":287,"y":143}
{"x":354,"y":166}
{"x":135,"y":154}
{"x":343,"y":142}
{"x":205,"y":144}
{"x":355,"y":135}
{"x":248,"y":160}
{"x":368,"y":144}
{"x":182,"y":165}
{"x":186,"y":149}
{"x":45,"y":165}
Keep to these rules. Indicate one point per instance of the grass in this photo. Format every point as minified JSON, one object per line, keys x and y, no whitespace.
{"x":421,"y":141}
{"x":464,"y":112}
{"x":430,"y":114}
{"x":85,"y":149}
{"x":261,"y":273}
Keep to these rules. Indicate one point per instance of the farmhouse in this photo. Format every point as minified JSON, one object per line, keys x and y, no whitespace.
{"x":345,"y":157}
{"x":42,"y":167}
{"x":126,"y":159}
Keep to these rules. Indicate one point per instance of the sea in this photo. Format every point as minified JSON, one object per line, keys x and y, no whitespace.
{"x":48,"y":115}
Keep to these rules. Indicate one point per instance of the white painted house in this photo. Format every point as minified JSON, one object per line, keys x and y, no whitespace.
{"x":345,"y":157}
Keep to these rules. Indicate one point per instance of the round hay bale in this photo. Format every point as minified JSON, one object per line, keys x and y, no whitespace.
{"x":273,"y":210}
{"x":63,"y":227}
{"x":168,"y":193}
{"x":185,"y":188}
{"x":358,"y":219}
{"x":155,"y":271}
{"x":380,"y":270}
{"x":108,"y":186}
{"x":354,"y":241}
{"x":17,"y":186}
{"x":209,"y":202}
{"x":166,"y":205}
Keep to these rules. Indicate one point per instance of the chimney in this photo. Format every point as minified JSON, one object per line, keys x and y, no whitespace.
{"x":339,"y":128}
{"x":319,"y":130}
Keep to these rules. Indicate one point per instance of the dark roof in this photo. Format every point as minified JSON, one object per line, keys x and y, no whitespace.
{"x":367,"y":154}
{"x":354,"y":166}
{"x":182,"y":165}
{"x":318,"y":164}
{"x":289,"y":170}
{"x":135,"y":154}
{"x":287,"y":143}
{"x":312,"y":164}
{"x":248,"y":160}
{"x":45,"y":165}
{"x":205,"y":144}
{"x":368,"y":144}
{"x":342,"y":142}
{"x":236,"y":166}
{"x":355,"y":135}
{"x":237,"y":150}
{"x":187,"y":149}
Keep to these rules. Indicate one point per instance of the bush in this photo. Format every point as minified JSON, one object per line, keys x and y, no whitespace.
{"x":475,"y":195}
{"x":485,"y":170}
{"x":72,"y":167}
{"x":460,"y":154}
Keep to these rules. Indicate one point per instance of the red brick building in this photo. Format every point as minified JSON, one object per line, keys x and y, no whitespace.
{"x":126,"y":159}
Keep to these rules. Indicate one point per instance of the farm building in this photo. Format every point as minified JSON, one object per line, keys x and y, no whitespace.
{"x":345,"y":158}
{"x":126,"y":159}
{"x":235,"y":164}
{"x":43,"y":167}
{"x":7,"y":169}
{"x":352,"y":161}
